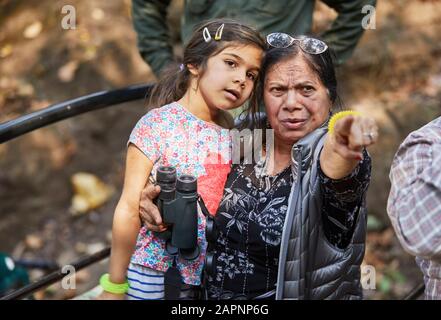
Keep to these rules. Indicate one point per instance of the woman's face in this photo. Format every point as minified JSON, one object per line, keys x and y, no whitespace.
{"x":296,"y":101}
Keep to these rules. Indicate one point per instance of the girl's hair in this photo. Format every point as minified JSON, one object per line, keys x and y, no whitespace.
{"x":175,"y":79}
{"x":321,"y":64}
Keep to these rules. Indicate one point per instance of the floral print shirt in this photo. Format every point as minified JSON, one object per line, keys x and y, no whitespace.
{"x":172,"y":136}
{"x":250,"y":220}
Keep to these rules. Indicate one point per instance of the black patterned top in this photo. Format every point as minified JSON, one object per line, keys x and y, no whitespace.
{"x":250,"y":221}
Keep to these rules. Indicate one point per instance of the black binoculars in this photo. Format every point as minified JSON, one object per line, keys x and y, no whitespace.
{"x":177,"y":203}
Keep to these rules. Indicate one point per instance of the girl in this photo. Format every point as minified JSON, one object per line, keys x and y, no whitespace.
{"x":220,"y":66}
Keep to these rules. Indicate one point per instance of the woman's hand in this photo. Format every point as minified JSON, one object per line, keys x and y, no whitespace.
{"x":148,"y":211}
{"x":352,"y":134}
{"x":343,"y":148}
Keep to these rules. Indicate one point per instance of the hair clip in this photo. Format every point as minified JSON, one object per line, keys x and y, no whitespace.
{"x":206,"y":34}
{"x":219,"y":31}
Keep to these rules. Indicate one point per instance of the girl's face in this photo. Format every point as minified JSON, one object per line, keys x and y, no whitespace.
{"x":296,"y":101}
{"x":229,"y":77}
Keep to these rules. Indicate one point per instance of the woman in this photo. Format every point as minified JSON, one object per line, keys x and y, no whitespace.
{"x":293,"y":225}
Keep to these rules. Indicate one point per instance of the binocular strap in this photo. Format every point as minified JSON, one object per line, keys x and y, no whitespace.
{"x":172,"y":283}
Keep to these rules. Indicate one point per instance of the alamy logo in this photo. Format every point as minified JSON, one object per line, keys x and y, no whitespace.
{"x":368,"y":277}
{"x":369,"y":21}
{"x":68,"y":281}
{"x":69,"y":21}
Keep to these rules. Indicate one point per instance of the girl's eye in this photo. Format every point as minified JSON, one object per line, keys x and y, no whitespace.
{"x":231,"y":63}
{"x":251,"y":76}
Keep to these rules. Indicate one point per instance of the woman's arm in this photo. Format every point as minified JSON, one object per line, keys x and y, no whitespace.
{"x":342,"y":200}
{"x":126,"y":222}
{"x":345,"y":173}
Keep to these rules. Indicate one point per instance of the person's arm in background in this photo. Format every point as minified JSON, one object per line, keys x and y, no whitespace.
{"x":414,"y":204}
{"x":346,"y":30}
{"x":150,"y":23}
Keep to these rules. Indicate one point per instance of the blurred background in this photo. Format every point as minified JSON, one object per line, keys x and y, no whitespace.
{"x":59,"y":185}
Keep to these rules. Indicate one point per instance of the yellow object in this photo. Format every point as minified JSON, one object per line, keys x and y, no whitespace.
{"x":109,"y":286}
{"x":338,"y":116}
{"x":89,"y":193}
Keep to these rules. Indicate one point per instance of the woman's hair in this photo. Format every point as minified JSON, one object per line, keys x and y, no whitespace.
{"x":321,"y":64}
{"x":175,"y":79}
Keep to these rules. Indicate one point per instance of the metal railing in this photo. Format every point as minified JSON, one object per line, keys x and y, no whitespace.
{"x":56,"y":276}
{"x":70,"y":108}
{"x":49,"y":115}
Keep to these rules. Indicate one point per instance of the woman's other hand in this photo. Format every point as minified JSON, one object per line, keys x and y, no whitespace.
{"x":148,"y":211}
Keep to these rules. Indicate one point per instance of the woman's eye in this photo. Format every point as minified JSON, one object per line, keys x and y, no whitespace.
{"x":307,"y":89}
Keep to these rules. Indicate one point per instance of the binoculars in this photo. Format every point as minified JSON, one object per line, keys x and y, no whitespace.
{"x":177,"y":203}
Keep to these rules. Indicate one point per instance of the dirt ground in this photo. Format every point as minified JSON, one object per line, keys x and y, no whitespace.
{"x":395,"y":75}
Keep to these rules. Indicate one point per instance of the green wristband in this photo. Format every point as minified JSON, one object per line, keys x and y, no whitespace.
{"x":116,"y":288}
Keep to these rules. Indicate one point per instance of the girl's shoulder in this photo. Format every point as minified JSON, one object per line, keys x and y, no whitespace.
{"x":168,"y":113}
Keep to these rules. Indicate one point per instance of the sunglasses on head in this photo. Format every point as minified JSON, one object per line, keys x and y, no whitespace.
{"x":307,"y":44}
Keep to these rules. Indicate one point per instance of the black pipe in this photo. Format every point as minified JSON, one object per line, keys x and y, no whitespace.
{"x":56,"y":276}
{"x":60,"y":111}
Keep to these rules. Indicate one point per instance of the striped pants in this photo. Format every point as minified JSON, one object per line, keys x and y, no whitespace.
{"x":148,"y":284}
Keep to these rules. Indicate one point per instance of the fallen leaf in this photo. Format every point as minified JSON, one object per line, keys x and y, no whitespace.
{"x":33,"y":30}
{"x":89,"y":193}
{"x":25,"y":89}
{"x":5,"y":51}
{"x":90,"y":52}
{"x":67,"y":72}
{"x":95,"y":247}
{"x":33,"y":242}
{"x":97,"y":14}
{"x":80,"y":247}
